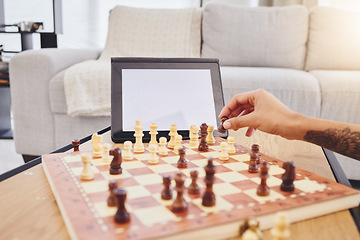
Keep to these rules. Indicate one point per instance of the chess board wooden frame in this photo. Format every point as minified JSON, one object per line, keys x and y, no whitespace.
{"x":298,"y":206}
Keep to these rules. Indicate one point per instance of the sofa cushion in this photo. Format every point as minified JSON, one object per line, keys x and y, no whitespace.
{"x":334,"y":37}
{"x":57,"y":93}
{"x":340,"y":95}
{"x":297,"y":89}
{"x":144,"y":32}
{"x":255,"y":37}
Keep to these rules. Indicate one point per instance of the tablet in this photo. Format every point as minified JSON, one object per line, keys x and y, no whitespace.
{"x":181,"y":91}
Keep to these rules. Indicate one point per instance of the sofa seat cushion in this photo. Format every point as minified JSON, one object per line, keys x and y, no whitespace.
{"x":255,"y":37}
{"x":340,"y":93}
{"x":297,"y":89}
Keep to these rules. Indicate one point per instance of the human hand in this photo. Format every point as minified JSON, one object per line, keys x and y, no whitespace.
{"x":259,"y":109}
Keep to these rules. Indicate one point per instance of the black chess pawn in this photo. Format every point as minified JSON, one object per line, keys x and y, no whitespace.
{"x":255,"y":148}
{"x":203,"y":146}
{"x":115,"y":166}
{"x":122,"y":215}
{"x":253,"y":166}
{"x":112,"y":201}
{"x":208,"y":199}
{"x":76,"y":143}
{"x":263,"y":189}
{"x":166,"y":193}
{"x":182,"y":163}
{"x":288,"y":177}
{"x":179,"y":204}
{"x":194,"y":187}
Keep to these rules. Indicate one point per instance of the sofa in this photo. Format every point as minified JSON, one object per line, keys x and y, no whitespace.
{"x":310,"y":60}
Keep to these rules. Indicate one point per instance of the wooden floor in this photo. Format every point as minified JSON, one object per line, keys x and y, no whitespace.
{"x":9,"y":159}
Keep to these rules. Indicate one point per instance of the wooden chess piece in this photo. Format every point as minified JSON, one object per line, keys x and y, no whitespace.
{"x":281,"y":230}
{"x":166,"y":193}
{"x":194,"y":187}
{"x":194,"y":136}
{"x":153,"y":158}
{"x":163,"y":151}
{"x":76,"y":143}
{"x":127,"y":154}
{"x":208,"y":199}
{"x":231,"y":147}
{"x":86,"y":174}
{"x":288,"y":177}
{"x":106,"y":156}
{"x":172,"y":134}
{"x":203,"y":146}
{"x":182,"y":162}
{"x":224,"y":154}
{"x":255,"y":148}
{"x":178,"y":140}
{"x":96,"y":145}
{"x":250,"y":230}
{"x":153,"y":132}
{"x":122,"y":215}
{"x":253,"y":167}
{"x":115,"y":166}
{"x":112,"y":200}
{"x":221,"y":128}
{"x":263,"y":189}
{"x":139,"y":146}
{"x":210,"y":137}
{"x":179,"y":204}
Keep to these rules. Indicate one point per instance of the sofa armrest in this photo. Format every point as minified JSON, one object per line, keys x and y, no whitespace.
{"x":30,"y":73}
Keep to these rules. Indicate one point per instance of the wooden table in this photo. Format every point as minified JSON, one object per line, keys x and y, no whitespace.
{"x":28,"y":209}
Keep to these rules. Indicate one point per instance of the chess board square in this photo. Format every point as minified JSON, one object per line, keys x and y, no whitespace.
{"x":125,"y":174}
{"x":203,"y":162}
{"x":211,"y":154}
{"x":236,"y":166}
{"x":274,"y":170}
{"x":148,"y":179}
{"x":159,"y":215}
{"x":99,"y":161}
{"x":170,"y":159}
{"x":245,"y":184}
{"x":143,"y":202}
{"x":94,"y":186}
{"x":77,"y":171}
{"x":75,"y":164}
{"x":163,"y":168}
{"x":132,"y":164}
{"x":104,"y":210}
{"x":231,"y":176}
{"x":194,"y":156}
{"x":142,"y":157}
{"x":139,"y":171}
{"x":238,"y":199}
{"x":271,"y":181}
{"x":273,"y":196}
{"x":72,"y":158}
{"x":220,"y":205}
{"x":190,"y":152}
{"x":137,"y":192}
{"x":241,"y":157}
{"x":309,"y":186}
{"x":221,"y":189}
{"x":200,"y":170}
{"x":215,"y":148}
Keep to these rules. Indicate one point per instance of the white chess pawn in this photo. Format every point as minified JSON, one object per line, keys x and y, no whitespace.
{"x":178,"y":140}
{"x":86,"y":174}
{"x":172,"y":134}
{"x":96,"y":145}
{"x":163,"y":151}
{"x":153,"y":132}
{"x":106,"y":156}
{"x":153,"y":158}
{"x":210,"y":137}
{"x":280,"y":231}
{"x":231,"y":147}
{"x":139,"y":146}
{"x":224,"y":154}
{"x":127,"y":154}
{"x":194,"y":136}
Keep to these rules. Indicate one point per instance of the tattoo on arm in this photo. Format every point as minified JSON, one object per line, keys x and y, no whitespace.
{"x":341,"y":141}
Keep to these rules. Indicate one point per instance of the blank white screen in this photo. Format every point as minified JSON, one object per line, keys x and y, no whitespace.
{"x":167,"y":96}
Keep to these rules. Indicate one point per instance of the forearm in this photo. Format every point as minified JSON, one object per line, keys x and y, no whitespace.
{"x":339,"y":137}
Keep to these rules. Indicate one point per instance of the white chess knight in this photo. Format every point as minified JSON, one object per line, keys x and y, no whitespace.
{"x":224,"y":151}
{"x":127,"y":154}
{"x":194,"y":136}
{"x":163,"y":151}
{"x":153,"y":158}
{"x":86,"y":174}
{"x":139,"y":146}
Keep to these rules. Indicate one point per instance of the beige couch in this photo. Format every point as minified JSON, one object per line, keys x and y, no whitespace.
{"x":309,"y":60}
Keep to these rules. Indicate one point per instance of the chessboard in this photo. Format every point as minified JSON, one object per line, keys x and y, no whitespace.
{"x":83,"y":204}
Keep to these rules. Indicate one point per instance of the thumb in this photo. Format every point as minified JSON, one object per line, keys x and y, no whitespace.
{"x":240,"y":122}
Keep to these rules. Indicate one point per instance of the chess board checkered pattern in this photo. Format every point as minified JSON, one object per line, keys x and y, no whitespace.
{"x":87,"y":216}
